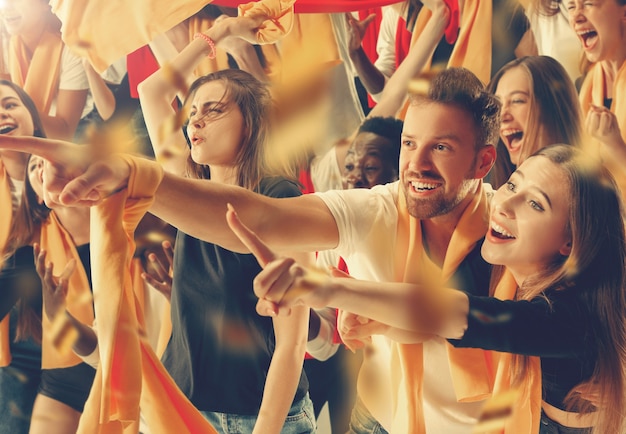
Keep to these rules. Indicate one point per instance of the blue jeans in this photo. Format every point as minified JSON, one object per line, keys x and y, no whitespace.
{"x":18,"y":390}
{"x":300,"y":420}
{"x":362,"y":421}
{"x":548,"y":426}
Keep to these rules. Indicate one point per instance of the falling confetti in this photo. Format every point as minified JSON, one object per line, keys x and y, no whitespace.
{"x":496,"y":412}
{"x":64,"y":334}
{"x":312,"y":278}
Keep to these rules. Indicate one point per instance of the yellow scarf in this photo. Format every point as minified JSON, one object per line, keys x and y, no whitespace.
{"x":6,"y":217}
{"x":79,"y":302}
{"x":307,"y":47}
{"x":93,"y":27}
{"x":593,"y":91}
{"x":38,"y":76}
{"x":527,"y":408}
{"x":140,"y":288}
{"x":472,"y":49}
{"x":469,"y":367}
{"x":129,"y":375}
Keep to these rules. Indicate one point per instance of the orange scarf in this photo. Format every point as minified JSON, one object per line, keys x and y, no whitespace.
{"x":61,"y":249}
{"x":129,"y":374}
{"x":472,"y":49}
{"x":38,"y":76}
{"x":469,"y":367}
{"x":6,"y":217}
{"x":527,"y":408}
{"x":307,"y":47}
{"x":593,"y":91}
{"x":93,"y":27}
{"x":165,"y":323}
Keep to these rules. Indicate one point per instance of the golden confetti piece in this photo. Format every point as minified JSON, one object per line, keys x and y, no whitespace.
{"x":421,"y":83}
{"x":115,"y":138}
{"x":85,"y":298}
{"x":63,"y":334}
{"x":15,"y":411}
{"x":20,"y":376}
{"x":496,"y":412}
{"x":172,"y":125}
{"x":419,"y":86}
{"x":313,"y":278}
{"x":169,"y":153}
{"x":175,"y":78}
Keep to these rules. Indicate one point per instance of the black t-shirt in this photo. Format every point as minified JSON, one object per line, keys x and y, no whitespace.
{"x":220,"y":350}
{"x":559,"y":332}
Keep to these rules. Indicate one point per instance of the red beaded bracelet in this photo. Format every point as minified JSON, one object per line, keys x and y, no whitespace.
{"x":209,"y":41}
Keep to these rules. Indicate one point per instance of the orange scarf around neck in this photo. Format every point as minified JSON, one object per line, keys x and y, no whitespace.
{"x":594,"y":91}
{"x":527,"y":408}
{"x":472,"y":49}
{"x":39,"y":75}
{"x":469,"y":367}
{"x":129,"y":375}
{"x":61,"y":249}
{"x":6,"y":217}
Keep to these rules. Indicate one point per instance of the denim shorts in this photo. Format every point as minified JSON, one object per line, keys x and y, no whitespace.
{"x":548,"y":426}
{"x":300,"y":420}
{"x":362,"y":421}
{"x":18,"y":389}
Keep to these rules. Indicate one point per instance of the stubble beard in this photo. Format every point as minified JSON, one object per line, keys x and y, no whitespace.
{"x":437,"y":205}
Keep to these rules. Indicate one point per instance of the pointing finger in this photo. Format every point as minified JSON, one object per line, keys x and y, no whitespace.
{"x":257,"y":247}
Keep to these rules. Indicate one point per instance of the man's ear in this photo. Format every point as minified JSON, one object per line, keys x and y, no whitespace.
{"x":485,"y":160}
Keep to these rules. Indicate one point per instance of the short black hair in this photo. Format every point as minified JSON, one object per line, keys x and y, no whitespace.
{"x":391,"y":129}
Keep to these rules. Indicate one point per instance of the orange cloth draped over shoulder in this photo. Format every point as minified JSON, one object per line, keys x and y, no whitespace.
{"x":58,"y":243}
{"x":593,"y":91}
{"x":472,"y":49}
{"x":526,"y":415}
{"x":130,"y":375}
{"x":93,"y":27}
{"x":310,"y":47}
{"x":6,"y":217}
{"x":471,"y":376}
{"x":39,"y":75}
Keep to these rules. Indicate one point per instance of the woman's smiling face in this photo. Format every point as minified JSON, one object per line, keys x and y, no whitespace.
{"x":529,"y":220}
{"x":600,"y":26}
{"x":15,"y":119}
{"x":514,"y":92}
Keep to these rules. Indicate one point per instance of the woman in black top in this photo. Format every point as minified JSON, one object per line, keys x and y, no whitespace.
{"x":237,"y":368}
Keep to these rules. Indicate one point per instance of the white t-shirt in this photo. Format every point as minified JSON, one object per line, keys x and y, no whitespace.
{"x":325,"y":172}
{"x":72,"y":76}
{"x":556,"y":38}
{"x":17,"y":187}
{"x":367,"y":225}
{"x":386,"y":45}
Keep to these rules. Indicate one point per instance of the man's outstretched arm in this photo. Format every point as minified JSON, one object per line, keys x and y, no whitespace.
{"x":197,"y":207}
